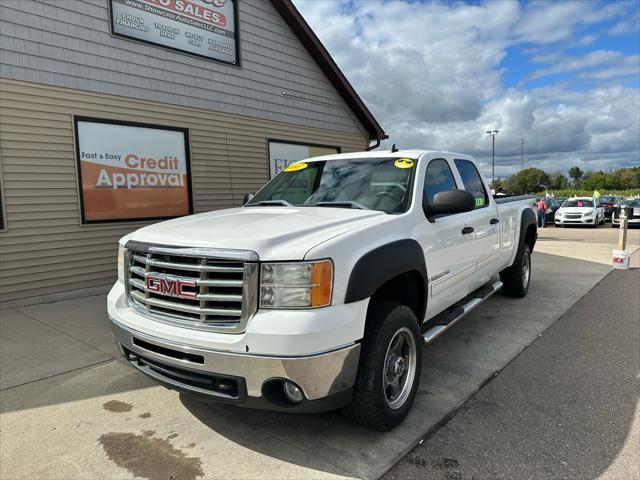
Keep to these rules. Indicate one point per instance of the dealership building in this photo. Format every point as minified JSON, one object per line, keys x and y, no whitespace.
{"x":118,"y":113}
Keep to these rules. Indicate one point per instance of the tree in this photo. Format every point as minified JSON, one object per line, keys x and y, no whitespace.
{"x":497,"y":184}
{"x":596,"y":181}
{"x":558,"y":181}
{"x":576,"y":174}
{"x":529,"y":180}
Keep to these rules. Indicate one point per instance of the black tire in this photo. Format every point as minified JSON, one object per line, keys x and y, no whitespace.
{"x":370,"y":406}
{"x":613,"y":225}
{"x":515,"y":284}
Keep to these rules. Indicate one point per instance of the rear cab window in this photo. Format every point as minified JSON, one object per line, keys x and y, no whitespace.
{"x":472,"y":182}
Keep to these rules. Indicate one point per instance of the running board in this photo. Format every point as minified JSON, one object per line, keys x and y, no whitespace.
{"x":452,"y":315}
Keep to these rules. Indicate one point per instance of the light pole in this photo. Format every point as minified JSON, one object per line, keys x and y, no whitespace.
{"x":493,"y":134}
{"x":522,"y":142}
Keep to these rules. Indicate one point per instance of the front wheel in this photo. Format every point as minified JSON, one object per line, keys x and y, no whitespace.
{"x":389,"y":370}
{"x":517,"y":277}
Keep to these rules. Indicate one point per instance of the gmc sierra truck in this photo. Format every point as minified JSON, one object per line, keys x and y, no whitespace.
{"x":320,"y":292}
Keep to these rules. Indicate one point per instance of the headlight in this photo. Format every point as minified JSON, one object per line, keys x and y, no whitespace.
{"x":588,"y":214}
{"x":120,"y":263}
{"x":296,"y":285}
{"x":558,"y":213}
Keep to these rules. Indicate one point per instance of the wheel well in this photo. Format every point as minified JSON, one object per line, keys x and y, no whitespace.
{"x":408,"y":289}
{"x":530,"y":236}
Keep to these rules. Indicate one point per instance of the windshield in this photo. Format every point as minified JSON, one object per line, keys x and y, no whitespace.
{"x":375,"y":184}
{"x":577,"y":203}
{"x":631,"y":202}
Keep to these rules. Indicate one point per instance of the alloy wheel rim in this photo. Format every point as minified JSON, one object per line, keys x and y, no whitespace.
{"x":526,"y":269}
{"x":399,"y":368}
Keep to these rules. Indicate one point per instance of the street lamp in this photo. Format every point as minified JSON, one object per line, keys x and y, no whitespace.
{"x":493,"y":134}
{"x":522,"y":142}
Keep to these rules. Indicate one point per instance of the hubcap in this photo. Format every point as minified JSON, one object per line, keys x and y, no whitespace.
{"x":399,"y":368}
{"x":526,"y":269}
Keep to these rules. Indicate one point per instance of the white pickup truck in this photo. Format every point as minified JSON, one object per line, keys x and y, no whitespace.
{"x":320,"y":291}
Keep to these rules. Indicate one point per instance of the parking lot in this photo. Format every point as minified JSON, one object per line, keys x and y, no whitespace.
{"x":71,"y":409}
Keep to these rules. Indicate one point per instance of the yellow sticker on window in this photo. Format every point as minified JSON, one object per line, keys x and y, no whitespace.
{"x":403,"y":163}
{"x":294,"y":167}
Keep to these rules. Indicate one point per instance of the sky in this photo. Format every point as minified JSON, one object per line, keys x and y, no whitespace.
{"x":563,"y":75}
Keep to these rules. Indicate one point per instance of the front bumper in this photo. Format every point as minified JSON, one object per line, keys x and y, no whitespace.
{"x":630,"y":221}
{"x":575,"y":221}
{"x":326,"y":379}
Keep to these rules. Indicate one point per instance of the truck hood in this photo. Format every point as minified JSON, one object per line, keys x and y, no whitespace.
{"x":275,"y":233}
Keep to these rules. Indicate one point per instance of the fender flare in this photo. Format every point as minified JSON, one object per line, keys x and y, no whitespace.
{"x":527,"y":219}
{"x":377,"y":267}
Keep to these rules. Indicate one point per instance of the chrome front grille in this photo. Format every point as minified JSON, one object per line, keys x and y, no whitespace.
{"x":200,"y":288}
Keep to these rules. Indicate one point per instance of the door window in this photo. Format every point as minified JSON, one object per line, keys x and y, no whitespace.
{"x":473,"y":182}
{"x":438,"y":178}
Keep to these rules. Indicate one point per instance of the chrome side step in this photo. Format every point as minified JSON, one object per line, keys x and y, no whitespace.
{"x":451,"y":316}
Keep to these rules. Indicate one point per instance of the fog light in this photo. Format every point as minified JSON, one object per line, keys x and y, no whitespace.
{"x":293,"y":392}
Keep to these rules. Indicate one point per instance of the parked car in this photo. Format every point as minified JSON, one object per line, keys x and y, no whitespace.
{"x":319,"y":292}
{"x":634,"y":219}
{"x":608,"y":203}
{"x":552,"y":206}
{"x":580,"y":211}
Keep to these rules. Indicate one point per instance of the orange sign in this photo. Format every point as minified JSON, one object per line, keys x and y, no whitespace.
{"x":132,"y":172}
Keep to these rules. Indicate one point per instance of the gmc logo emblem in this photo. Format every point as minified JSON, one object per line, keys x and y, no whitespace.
{"x":169,"y":286}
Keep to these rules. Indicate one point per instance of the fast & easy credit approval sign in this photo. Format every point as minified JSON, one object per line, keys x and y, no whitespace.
{"x":132,"y":171}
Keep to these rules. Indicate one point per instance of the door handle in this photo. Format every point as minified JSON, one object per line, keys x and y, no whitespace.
{"x":466,"y":230}
{"x":493,"y":221}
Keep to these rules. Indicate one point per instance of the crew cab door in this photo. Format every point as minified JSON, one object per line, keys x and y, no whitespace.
{"x":484,"y":222}
{"x":450,"y":259}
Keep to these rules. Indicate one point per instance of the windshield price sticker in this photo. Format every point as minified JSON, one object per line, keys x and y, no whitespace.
{"x":479,"y":201}
{"x":403,"y":163}
{"x":294,"y":167}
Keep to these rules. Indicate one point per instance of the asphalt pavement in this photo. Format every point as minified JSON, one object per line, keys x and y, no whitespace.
{"x":565,"y":408}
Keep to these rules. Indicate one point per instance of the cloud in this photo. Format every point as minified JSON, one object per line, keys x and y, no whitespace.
{"x":628,"y":25}
{"x":432,"y":75}
{"x":596,"y":58}
{"x":545,"y":22}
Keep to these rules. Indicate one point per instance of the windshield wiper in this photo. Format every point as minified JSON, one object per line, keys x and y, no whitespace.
{"x":282,"y":203}
{"x":342,"y":203}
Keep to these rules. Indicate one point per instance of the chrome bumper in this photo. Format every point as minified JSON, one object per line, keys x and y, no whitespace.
{"x":318,"y":376}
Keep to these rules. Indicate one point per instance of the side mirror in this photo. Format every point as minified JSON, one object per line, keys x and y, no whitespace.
{"x":247,"y":197}
{"x":450,"y":201}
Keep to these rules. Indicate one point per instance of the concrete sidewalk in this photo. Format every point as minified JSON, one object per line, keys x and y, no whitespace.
{"x":567,"y":407}
{"x":92,"y":416}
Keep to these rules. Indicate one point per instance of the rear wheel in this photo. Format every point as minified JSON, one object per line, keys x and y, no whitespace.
{"x":389,"y":370}
{"x":517,"y":277}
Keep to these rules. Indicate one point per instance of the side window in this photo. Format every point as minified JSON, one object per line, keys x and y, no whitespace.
{"x":472,"y":182}
{"x":438,"y":178}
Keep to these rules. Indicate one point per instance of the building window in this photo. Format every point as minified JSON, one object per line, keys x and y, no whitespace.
{"x":283,"y":153}
{"x":132,"y":171}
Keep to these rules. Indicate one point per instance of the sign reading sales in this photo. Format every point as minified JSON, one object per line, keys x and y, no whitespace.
{"x":132,"y":171}
{"x":201,"y":27}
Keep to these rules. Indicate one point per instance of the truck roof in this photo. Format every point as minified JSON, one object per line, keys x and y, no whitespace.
{"x":413,"y":154}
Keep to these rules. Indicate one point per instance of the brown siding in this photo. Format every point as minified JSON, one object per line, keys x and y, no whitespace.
{"x":45,"y":249}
